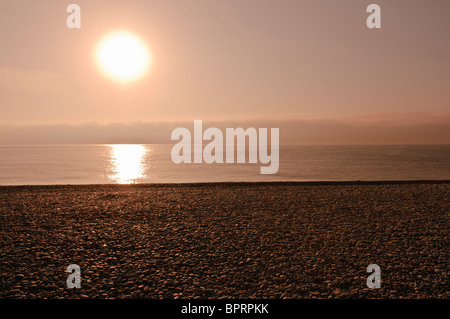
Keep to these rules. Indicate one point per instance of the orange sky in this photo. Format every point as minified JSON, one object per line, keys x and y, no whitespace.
{"x":223,"y":61}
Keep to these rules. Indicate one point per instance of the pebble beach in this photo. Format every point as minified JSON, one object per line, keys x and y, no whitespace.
{"x":226,"y":240}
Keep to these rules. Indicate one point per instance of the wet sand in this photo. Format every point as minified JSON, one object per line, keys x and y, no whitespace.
{"x":235,"y":240}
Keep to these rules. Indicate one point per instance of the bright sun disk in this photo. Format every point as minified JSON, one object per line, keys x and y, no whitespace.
{"x":123,"y":56}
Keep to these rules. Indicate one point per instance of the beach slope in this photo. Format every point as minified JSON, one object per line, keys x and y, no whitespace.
{"x":235,"y":240}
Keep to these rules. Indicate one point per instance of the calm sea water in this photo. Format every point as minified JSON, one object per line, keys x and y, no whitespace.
{"x":101,"y":164}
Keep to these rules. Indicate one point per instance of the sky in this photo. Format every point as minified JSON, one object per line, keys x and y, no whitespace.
{"x":311,"y":68}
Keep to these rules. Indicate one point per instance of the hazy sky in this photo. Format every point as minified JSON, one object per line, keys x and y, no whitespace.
{"x":312,"y":68}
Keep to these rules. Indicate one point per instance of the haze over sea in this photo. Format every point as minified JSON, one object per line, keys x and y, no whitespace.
{"x":135,"y":163}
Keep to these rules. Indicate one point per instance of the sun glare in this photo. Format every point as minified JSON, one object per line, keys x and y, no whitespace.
{"x":127,"y":161}
{"x":123,"y":56}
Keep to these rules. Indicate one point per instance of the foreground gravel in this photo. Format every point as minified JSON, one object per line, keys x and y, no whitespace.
{"x":225,"y":240}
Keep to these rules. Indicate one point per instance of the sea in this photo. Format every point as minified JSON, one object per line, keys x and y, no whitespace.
{"x":152,"y":163}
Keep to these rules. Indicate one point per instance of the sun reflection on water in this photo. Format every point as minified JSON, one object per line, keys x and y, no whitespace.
{"x":127,"y":163}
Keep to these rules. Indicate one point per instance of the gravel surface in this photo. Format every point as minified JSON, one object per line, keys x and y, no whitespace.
{"x":225,"y":240}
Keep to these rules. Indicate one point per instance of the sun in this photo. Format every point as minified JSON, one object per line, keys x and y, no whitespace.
{"x":123,"y":56}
